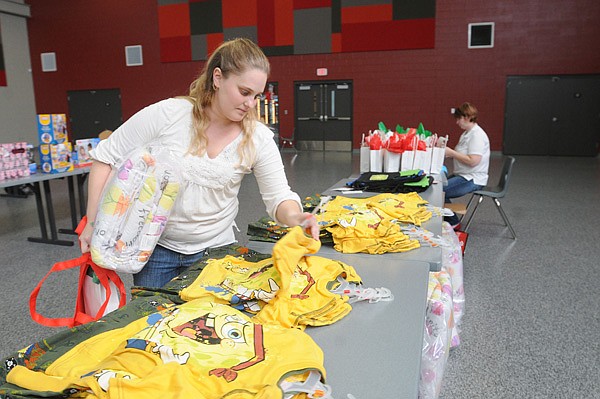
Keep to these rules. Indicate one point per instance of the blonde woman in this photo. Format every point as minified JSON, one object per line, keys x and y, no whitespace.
{"x":214,"y":133}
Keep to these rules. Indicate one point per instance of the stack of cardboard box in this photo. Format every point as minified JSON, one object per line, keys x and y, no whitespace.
{"x":55,"y":148}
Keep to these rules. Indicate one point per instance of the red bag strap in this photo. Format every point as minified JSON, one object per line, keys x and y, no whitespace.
{"x":81,"y":225}
{"x":83,"y":262}
{"x":57,"y":267}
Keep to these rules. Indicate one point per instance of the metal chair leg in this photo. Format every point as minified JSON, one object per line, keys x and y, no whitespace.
{"x":470,"y":219}
{"x":470,"y":200}
{"x":499,"y":207}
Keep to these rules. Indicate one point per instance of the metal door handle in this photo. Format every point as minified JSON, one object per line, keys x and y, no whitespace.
{"x":321,"y":118}
{"x":325,"y":117}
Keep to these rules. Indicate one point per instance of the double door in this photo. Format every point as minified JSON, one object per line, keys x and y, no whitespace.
{"x":323,"y":115}
{"x":552,"y":115}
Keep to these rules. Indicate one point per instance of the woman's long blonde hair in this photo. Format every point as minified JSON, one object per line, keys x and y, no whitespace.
{"x":234,"y":56}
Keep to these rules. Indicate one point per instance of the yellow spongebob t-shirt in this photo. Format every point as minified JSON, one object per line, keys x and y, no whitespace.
{"x":292,"y":289}
{"x":356,"y":226}
{"x":198,"y":349}
{"x":246,"y":286}
{"x":305,"y":296}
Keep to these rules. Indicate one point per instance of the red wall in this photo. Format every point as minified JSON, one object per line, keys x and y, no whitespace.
{"x":407,"y":87}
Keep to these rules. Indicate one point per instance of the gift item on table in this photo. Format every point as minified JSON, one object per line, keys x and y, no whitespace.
{"x":55,"y":149}
{"x":81,"y":152}
{"x":14,"y":160}
{"x":370,"y":224}
{"x":425,"y":237}
{"x":438,"y":154}
{"x":375,"y":154}
{"x":290,"y":288}
{"x":52,"y":128}
{"x":407,"y":161}
{"x":394,"y":147}
{"x":365,"y":156}
{"x":376,"y":160}
{"x":412,"y":157}
{"x":423,"y":159}
{"x":392,"y":182}
{"x":56,"y":158}
{"x":391,"y":161}
{"x":403,"y":149}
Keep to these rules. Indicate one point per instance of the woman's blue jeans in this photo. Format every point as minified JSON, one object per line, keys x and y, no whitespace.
{"x":163,"y":266}
{"x":457,"y":187}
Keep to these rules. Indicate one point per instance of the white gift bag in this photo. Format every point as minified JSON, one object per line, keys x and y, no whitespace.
{"x":437,"y":160}
{"x":365,"y":159}
{"x":420,"y":161}
{"x":376,"y":157}
{"x":407,"y":160}
{"x":391,"y":161}
{"x":428,"y":154}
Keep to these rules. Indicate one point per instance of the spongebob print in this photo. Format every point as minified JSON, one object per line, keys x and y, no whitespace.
{"x":220,"y":339}
{"x":243,"y":285}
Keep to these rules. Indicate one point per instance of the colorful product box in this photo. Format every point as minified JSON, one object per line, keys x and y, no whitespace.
{"x":56,"y":158}
{"x":14,"y":160}
{"x":81,"y":153}
{"x":52,"y":128}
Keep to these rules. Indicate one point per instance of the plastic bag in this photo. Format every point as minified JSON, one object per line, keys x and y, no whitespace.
{"x":135,"y":207}
{"x":436,"y":339}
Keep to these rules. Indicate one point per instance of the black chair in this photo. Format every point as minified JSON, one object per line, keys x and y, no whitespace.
{"x":495,"y":193}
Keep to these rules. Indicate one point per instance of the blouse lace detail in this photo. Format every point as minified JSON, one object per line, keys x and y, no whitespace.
{"x":210,"y":173}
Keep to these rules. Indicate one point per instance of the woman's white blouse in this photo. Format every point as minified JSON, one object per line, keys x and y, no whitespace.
{"x":474,"y":142}
{"x":204,"y":214}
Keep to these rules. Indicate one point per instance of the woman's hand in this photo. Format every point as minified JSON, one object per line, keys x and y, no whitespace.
{"x":290,"y":214}
{"x":310,"y":225}
{"x":85,"y":238}
{"x":468,"y":159}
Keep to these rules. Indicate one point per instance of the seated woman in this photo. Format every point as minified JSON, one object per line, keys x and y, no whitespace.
{"x":471,"y":158}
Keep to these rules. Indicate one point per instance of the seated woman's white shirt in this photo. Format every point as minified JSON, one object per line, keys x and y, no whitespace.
{"x":474,"y":142}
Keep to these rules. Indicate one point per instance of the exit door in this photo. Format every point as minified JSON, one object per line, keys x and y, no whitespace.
{"x":324,"y":115}
{"x":92,"y":111}
{"x":552,"y":115}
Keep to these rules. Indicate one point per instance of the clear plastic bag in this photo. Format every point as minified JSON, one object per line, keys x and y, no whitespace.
{"x":134,"y":210}
{"x":452,"y":261}
{"x":439,"y":323}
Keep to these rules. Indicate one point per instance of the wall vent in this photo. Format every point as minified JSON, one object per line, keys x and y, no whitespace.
{"x":48,"y":62}
{"x":133,"y":55}
{"x":481,"y":35}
